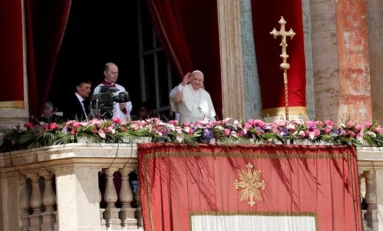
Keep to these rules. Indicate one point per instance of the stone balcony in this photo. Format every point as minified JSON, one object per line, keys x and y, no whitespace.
{"x":73,"y":187}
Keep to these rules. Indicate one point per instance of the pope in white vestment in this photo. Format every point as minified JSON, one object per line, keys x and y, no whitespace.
{"x":191,"y":101}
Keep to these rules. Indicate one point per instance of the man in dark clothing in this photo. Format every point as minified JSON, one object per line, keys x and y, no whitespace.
{"x":77,"y":107}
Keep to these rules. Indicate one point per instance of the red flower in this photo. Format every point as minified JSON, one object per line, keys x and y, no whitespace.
{"x":52,"y":126}
{"x":116,"y":120}
{"x":28,"y":125}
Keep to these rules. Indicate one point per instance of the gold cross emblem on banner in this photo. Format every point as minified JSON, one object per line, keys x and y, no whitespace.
{"x":250,"y":184}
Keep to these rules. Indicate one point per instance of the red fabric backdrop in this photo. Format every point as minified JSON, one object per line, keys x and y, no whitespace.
{"x":176,"y":180}
{"x":189,"y":36}
{"x":45,"y":25}
{"x":11,"y":48}
{"x":266,"y":15}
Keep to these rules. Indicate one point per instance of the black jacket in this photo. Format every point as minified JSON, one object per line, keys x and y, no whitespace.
{"x":73,"y":109}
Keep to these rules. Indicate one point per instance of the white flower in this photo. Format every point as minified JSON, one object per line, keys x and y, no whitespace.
{"x":370,"y":133}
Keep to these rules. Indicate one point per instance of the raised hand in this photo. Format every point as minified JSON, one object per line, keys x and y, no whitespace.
{"x":186,"y":79}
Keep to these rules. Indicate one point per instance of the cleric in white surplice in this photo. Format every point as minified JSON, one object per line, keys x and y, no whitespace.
{"x":191,"y":101}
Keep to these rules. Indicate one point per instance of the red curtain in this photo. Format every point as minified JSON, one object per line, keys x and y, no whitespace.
{"x":11,"y":48}
{"x":177,"y":181}
{"x":45,"y":26}
{"x":266,"y":15}
{"x":189,"y":35}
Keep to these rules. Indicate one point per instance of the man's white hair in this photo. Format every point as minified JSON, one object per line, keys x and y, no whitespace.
{"x":196,"y":71}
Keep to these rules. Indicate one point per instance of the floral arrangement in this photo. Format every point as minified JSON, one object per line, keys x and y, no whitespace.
{"x":223,"y":132}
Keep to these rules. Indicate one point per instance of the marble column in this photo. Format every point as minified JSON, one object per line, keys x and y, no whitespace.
{"x":9,"y":201}
{"x":240,"y":94}
{"x":341,"y":60}
{"x":78,"y":198}
{"x":375,"y":35}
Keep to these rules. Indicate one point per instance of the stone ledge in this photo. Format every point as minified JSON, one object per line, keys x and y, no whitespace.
{"x":69,"y":155}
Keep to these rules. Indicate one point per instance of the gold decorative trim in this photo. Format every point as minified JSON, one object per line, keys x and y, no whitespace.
{"x":251,"y":183}
{"x":148,"y":193}
{"x":247,"y":155}
{"x":12,"y":104}
{"x":281,"y":111}
{"x":252,"y":213}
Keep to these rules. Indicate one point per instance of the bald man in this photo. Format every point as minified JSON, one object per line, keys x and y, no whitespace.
{"x":120,"y":110}
{"x":191,"y":100}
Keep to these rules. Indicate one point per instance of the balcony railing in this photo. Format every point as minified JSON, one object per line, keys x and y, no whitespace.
{"x":93,"y":187}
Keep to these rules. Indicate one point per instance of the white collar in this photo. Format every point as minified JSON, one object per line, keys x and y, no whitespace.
{"x":79,"y":97}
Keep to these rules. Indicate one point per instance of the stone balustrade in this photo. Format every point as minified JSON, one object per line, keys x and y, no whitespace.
{"x":88,"y":187}
{"x":370,"y":169}
{"x":58,"y":188}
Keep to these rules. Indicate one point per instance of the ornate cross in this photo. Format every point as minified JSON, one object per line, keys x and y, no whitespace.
{"x":284,"y":65}
{"x":250,"y":183}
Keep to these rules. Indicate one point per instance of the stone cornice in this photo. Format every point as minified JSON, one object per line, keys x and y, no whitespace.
{"x":370,"y":158}
{"x":70,"y":155}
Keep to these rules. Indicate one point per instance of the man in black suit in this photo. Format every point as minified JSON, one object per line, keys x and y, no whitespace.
{"x":77,"y":107}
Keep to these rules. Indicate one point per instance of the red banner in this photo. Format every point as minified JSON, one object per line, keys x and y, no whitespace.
{"x":178,"y":182}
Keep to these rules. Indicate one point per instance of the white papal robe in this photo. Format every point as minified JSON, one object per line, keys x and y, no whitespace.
{"x":195,"y":105}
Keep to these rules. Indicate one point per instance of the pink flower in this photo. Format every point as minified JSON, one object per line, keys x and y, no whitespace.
{"x":227,"y":132}
{"x":329,"y":123}
{"x":186,"y":124}
{"x":95,"y":130}
{"x":351,"y":133}
{"x":69,"y":123}
{"x":344,"y":133}
{"x":310,"y":123}
{"x":262,"y":124}
{"x":73,"y":132}
{"x":52,"y":126}
{"x":291,"y":127}
{"x":28,"y":125}
{"x":251,"y":122}
{"x":174,"y":122}
{"x":316,"y":132}
{"x":76,"y":125}
{"x":248,"y":126}
{"x":116,"y":120}
{"x":367,"y":124}
{"x":45,"y":127}
{"x":208,"y":126}
{"x":327,"y":131}
{"x":350,"y":124}
{"x":358,"y":127}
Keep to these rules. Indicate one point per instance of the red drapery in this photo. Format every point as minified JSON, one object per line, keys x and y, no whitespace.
{"x":45,"y":26}
{"x":11,"y":47}
{"x":189,"y":36}
{"x":177,"y":181}
{"x":266,"y":15}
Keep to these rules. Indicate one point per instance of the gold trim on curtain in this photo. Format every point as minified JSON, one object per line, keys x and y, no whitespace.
{"x":281,"y":111}
{"x":12,"y":104}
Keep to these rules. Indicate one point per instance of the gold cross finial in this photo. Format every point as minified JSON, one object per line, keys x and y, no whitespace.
{"x":249,"y":166}
{"x":284,"y":65}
